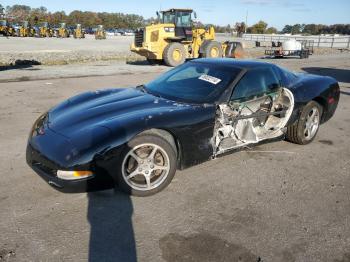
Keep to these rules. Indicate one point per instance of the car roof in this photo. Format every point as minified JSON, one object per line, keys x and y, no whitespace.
{"x":230,"y":62}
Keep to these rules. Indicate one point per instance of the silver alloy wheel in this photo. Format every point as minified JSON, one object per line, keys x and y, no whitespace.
{"x":145,"y":167}
{"x":312,"y":123}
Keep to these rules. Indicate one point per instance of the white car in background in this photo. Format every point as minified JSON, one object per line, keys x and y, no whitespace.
{"x":129,"y":33}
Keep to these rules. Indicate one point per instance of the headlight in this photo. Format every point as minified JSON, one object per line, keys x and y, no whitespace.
{"x":38,"y":127}
{"x":169,"y":29}
{"x":73,"y":175}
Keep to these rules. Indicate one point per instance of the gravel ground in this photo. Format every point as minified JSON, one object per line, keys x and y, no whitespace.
{"x":275,"y":202}
{"x":54,"y":51}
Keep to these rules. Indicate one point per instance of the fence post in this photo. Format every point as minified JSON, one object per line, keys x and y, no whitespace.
{"x":348,"y":42}
{"x":332,"y":42}
{"x":319,"y":41}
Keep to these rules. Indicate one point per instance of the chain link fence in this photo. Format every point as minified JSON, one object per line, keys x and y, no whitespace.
{"x":319,"y":40}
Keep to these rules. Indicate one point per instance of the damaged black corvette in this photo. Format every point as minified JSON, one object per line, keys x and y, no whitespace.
{"x":136,"y":138}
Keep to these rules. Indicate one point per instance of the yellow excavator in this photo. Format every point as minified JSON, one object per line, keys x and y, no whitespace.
{"x":6,"y":29}
{"x":100,"y":33}
{"x":63,"y":31}
{"x":78,"y":32}
{"x":175,"y":38}
{"x":45,"y":30}
{"x":26,"y":30}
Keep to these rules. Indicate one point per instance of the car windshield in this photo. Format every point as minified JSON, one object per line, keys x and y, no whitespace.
{"x":193,"y":82}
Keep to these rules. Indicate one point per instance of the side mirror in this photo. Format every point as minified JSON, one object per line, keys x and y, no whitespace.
{"x":195,"y":15}
{"x":158,"y":15}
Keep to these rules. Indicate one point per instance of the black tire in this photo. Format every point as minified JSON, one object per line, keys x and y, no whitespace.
{"x":296,"y":132}
{"x":174,"y":54}
{"x":165,"y":176}
{"x":212,"y":49}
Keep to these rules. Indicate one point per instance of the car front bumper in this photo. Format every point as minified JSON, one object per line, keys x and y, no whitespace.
{"x":47,"y":169}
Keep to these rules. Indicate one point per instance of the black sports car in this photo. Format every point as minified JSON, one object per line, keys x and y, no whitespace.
{"x":137,"y":137}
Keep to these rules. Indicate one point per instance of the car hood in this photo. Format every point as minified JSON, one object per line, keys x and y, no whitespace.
{"x":107,"y":109}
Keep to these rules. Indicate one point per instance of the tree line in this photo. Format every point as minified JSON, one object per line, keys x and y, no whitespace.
{"x":18,"y":13}
{"x":317,"y":29}
{"x":306,"y":29}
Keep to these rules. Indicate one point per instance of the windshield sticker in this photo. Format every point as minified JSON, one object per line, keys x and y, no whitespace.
{"x":210,"y":79}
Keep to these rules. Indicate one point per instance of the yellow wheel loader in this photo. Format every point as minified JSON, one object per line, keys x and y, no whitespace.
{"x":78,"y":32}
{"x":175,"y":39}
{"x":6,"y":29}
{"x":45,"y":30}
{"x":63,"y":31}
{"x":100,"y":33}
{"x":25,"y":30}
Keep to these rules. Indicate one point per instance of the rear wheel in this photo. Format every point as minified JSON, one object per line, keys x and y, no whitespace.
{"x":174,"y":54}
{"x":305,"y":129}
{"x":212,"y":49}
{"x":148,"y":164}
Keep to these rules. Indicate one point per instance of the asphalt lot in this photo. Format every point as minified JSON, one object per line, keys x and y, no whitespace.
{"x":274,"y":202}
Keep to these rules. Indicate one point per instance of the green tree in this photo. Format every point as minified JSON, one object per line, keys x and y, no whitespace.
{"x":57,"y":17}
{"x":271,"y":30}
{"x":287,"y":29}
{"x":296,"y":29}
{"x":18,"y":12}
{"x":310,"y":29}
{"x":258,"y":28}
{"x":37,"y":15}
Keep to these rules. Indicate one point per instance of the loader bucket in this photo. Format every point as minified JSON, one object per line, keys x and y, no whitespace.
{"x":234,"y":50}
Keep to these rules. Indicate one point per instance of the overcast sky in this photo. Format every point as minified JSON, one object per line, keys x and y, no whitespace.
{"x":276,"y":13}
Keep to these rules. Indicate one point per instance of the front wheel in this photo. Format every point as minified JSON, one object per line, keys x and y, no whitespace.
{"x":174,"y":54}
{"x":148,"y":164}
{"x":305,"y":129}
{"x":212,"y":49}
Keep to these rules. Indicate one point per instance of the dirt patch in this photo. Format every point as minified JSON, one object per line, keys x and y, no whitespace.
{"x":6,"y":255}
{"x":202,"y":247}
{"x":326,"y":142}
{"x":346,"y":258}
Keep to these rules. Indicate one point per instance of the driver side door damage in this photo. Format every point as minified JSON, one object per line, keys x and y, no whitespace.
{"x":259,"y":109}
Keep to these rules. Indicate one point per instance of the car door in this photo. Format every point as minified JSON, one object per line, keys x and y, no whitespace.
{"x":241,"y":121}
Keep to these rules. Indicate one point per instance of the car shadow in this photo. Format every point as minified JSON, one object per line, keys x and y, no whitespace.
{"x":345,"y":93}
{"x":144,"y":63}
{"x":20,"y":64}
{"x":111,"y":235}
{"x":138,"y":62}
{"x":342,"y":75}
